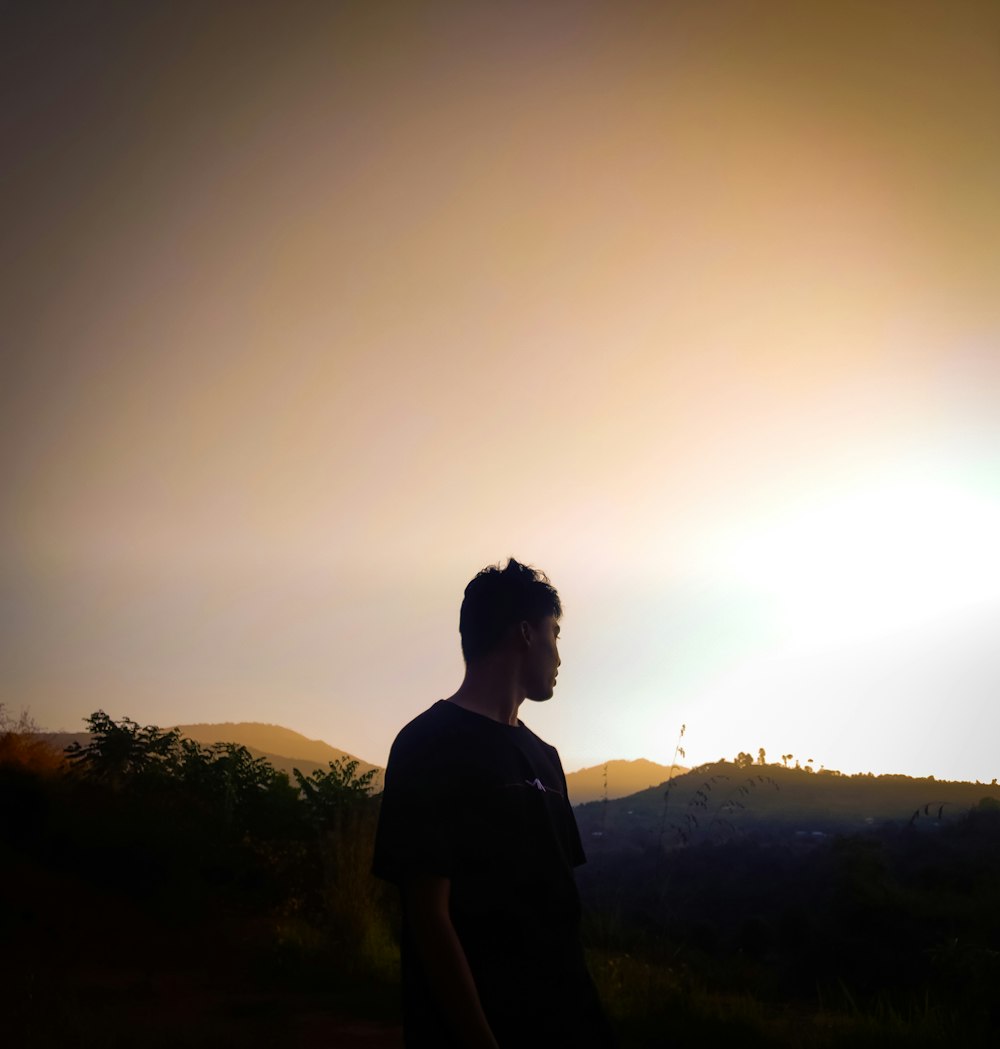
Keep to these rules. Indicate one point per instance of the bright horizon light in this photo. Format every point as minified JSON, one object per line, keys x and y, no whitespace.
{"x":881,"y":558}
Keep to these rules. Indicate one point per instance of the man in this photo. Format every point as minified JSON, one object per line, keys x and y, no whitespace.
{"x":477,"y":830}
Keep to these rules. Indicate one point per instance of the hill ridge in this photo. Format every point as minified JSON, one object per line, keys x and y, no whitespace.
{"x":720,"y":798}
{"x":250,"y":733}
{"x":625,"y":776}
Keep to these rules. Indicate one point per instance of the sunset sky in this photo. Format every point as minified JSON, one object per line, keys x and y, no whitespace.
{"x":310,"y":310}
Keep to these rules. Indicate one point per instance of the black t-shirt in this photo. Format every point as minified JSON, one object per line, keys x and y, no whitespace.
{"x":485,"y":804}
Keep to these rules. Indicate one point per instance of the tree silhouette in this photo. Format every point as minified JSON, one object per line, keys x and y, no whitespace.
{"x":327,"y":793}
{"x":121,"y":749}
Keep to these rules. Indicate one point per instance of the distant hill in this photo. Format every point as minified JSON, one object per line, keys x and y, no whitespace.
{"x":715,"y":801}
{"x":282,"y":747}
{"x":624,"y":778}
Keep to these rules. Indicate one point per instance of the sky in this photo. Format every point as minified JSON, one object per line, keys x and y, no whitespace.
{"x":309,"y":311}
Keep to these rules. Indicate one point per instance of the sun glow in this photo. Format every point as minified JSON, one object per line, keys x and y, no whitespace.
{"x":879,"y":559}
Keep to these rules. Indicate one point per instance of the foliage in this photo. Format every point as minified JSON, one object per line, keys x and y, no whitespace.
{"x":343,"y":813}
{"x":144,"y":858}
{"x":122,"y":749}
{"x":886,"y":936}
{"x":327,"y":793}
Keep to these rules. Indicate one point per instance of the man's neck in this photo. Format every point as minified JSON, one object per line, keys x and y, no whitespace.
{"x":490,"y":689}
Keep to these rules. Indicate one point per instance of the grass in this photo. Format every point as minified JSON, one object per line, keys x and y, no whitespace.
{"x":657,"y":1004}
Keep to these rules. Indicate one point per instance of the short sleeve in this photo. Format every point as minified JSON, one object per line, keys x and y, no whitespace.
{"x":416,"y":824}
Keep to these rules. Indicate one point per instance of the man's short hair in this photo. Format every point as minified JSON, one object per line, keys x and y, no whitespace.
{"x":499,"y":598}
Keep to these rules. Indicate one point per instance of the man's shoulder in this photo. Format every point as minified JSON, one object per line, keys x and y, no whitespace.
{"x":540,"y":743}
{"x":430,"y":721}
{"x":430,"y":749}
{"x":430,"y":729}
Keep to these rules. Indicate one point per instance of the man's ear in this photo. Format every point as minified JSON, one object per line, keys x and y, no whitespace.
{"x":525,"y":631}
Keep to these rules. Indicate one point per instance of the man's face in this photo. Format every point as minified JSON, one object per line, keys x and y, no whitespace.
{"x":541,"y":663}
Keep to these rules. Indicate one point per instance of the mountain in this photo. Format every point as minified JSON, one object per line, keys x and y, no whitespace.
{"x":282,"y":747}
{"x":717,"y":801}
{"x":623,"y":778}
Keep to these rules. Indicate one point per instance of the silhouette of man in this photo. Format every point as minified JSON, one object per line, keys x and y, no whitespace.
{"x":477,"y":831}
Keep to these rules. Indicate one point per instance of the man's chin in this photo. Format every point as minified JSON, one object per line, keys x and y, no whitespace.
{"x":540,"y":697}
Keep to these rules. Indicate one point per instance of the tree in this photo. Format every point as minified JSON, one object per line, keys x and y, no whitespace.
{"x":230,"y":777}
{"x":328,"y":793}
{"x":761,"y":756}
{"x":343,"y":811}
{"x":119,"y":750}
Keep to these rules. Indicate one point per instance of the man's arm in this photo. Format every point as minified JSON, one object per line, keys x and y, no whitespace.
{"x":447,"y":968}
